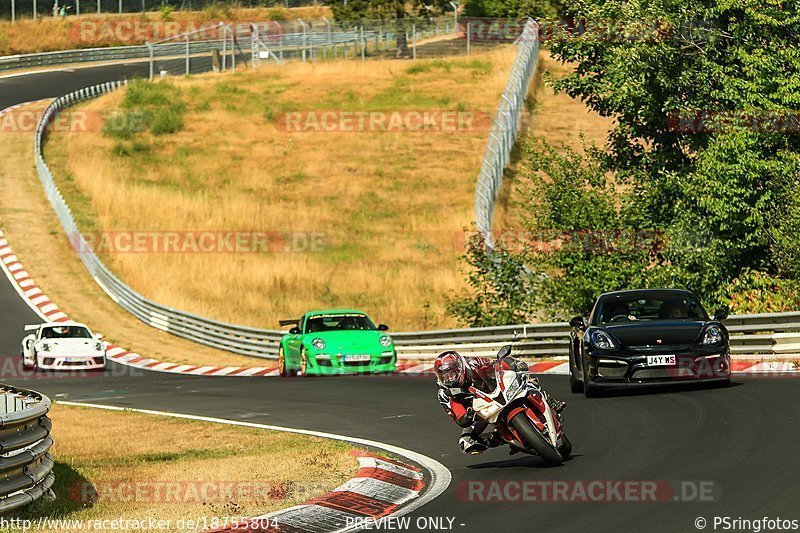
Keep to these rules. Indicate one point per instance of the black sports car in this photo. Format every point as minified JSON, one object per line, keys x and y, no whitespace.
{"x":647,"y":337}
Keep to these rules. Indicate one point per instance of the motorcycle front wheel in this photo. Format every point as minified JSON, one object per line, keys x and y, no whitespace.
{"x":535,"y":441}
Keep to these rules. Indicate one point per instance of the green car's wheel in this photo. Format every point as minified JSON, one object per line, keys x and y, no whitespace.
{"x":303,"y":362}
{"x":282,"y":370}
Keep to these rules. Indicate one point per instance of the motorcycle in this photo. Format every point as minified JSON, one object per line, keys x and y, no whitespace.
{"x":521,"y":414}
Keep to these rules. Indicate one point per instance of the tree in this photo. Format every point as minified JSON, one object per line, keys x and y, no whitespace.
{"x":721,"y":194}
{"x":704,"y":155}
{"x":500,"y":290}
{"x":538,"y":9}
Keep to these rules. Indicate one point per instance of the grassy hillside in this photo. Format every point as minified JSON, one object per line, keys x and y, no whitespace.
{"x":389,"y":207}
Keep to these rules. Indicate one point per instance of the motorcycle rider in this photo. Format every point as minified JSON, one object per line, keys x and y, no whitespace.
{"x":455,"y":374}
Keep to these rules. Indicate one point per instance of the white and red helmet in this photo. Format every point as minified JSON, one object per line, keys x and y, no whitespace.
{"x":450,"y":369}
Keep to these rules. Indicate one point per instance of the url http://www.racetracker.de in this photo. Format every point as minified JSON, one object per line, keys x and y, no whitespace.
{"x":202,"y":523}
{"x":738,"y":523}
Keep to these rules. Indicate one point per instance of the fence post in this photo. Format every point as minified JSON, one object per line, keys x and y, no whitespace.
{"x":152,"y":59}
{"x":414,"y":37}
{"x":188,"y":69}
{"x":469,"y":38}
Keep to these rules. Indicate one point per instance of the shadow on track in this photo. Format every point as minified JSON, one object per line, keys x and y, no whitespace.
{"x":663,"y":389}
{"x":526,"y":461}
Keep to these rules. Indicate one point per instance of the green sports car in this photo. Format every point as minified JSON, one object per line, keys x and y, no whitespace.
{"x":335,"y":342}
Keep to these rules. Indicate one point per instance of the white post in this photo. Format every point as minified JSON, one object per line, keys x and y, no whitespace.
{"x":98,"y":7}
{"x":455,"y":14}
{"x":34,"y":9}
{"x":120,"y":7}
{"x":414,"y":33}
{"x":152,"y":59}
{"x":77,"y":7}
{"x":188,"y":69}
{"x":13,"y":10}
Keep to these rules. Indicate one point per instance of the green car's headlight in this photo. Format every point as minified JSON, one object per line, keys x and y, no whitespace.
{"x":385,"y":341}
{"x":318,"y":343}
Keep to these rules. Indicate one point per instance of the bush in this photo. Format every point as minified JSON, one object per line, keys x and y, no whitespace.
{"x":166,"y":121}
{"x":501,"y":291}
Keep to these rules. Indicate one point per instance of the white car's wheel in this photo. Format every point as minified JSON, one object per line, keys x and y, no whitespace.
{"x":25,"y":364}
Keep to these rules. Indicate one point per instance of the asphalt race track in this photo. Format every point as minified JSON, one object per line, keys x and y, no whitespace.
{"x":741,"y":439}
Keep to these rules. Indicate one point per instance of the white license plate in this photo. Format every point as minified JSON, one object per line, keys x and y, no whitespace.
{"x":660,"y":360}
{"x":357,"y":358}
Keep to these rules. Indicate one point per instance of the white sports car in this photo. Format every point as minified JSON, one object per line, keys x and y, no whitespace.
{"x":62,"y":346}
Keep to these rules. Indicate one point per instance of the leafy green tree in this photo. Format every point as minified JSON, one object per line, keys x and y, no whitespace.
{"x":704,"y":154}
{"x":538,"y":9}
{"x":500,"y":290}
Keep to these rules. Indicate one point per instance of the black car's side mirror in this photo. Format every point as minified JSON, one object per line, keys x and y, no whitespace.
{"x":294,"y":331}
{"x":577,"y":322}
{"x":720,"y":314}
{"x":383,"y":327}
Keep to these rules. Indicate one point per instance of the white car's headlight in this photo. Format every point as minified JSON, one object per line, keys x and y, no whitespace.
{"x":602,"y":340}
{"x":98,"y":346}
{"x":318,"y":343}
{"x":713,"y":335}
{"x":385,"y":341}
{"x":45,"y":347}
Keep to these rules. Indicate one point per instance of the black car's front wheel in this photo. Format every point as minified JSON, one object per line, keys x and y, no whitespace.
{"x":588,"y":390}
{"x":574,"y":385}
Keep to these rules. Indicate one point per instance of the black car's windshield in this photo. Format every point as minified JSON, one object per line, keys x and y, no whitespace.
{"x":338,"y":323}
{"x":66,"y":332}
{"x":642,"y":307}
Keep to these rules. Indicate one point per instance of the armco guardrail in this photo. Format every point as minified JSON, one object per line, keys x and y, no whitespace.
{"x":766,"y":334}
{"x":26,"y":469}
{"x":503,"y":134}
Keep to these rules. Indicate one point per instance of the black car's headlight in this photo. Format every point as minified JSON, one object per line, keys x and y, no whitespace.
{"x":603,"y":340}
{"x":713,"y":335}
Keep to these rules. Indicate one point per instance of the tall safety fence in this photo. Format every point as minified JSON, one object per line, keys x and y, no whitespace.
{"x":15,"y":9}
{"x":26,"y":468}
{"x":505,"y":129}
{"x":221,"y":45}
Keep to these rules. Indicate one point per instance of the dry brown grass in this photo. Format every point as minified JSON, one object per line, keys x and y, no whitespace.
{"x":38,"y":240}
{"x":47,"y":34}
{"x":391,"y":205}
{"x":560,"y":120}
{"x":136,"y":448}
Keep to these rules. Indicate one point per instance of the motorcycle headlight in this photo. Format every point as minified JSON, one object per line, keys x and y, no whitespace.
{"x":385,"y":341}
{"x":318,"y":343}
{"x":603,"y":341}
{"x":713,"y":335}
